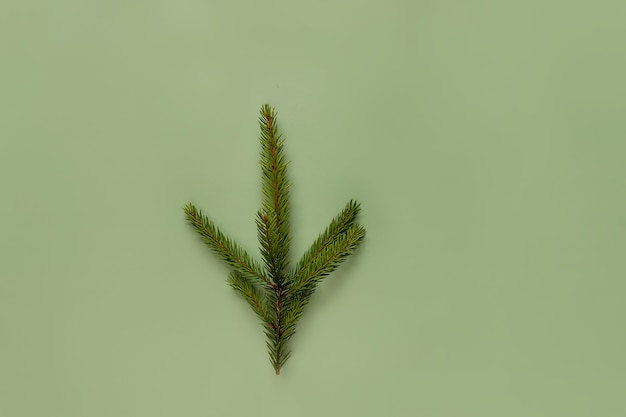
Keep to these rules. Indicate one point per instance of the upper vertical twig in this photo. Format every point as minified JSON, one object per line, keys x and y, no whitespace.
{"x":273,"y":218}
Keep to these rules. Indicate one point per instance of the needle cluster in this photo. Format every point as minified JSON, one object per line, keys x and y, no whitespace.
{"x":276,"y":292}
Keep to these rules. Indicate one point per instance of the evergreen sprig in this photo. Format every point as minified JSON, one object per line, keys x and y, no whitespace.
{"x":276,"y":293}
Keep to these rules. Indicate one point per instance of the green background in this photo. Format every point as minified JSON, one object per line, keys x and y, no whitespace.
{"x":485,"y":140}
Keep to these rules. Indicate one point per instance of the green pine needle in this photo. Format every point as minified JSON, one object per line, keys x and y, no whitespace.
{"x":276,"y":293}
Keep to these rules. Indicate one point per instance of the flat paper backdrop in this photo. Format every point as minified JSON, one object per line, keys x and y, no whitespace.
{"x":485,"y":139}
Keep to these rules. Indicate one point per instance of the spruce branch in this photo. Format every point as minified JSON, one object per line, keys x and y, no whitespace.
{"x":328,"y":258}
{"x":275,"y":188}
{"x":337,"y":227}
{"x":251,"y":293}
{"x":268,"y":242}
{"x":277,"y":295}
{"x":223,"y":246}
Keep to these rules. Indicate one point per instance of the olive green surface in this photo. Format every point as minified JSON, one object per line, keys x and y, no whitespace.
{"x":486,"y":141}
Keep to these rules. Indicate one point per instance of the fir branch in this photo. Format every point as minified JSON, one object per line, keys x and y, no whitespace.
{"x":273,"y":224}
{"x":223,"y":246}
{"x":268,"y":241}
{"x":277,"y":296}
{"x":329,"y":258}
{"x":276,"y":340}
{"x":275,"y":188}
{"x":251,"y":293}
{"x":275,"y":331}
{"x":339,"y":225}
